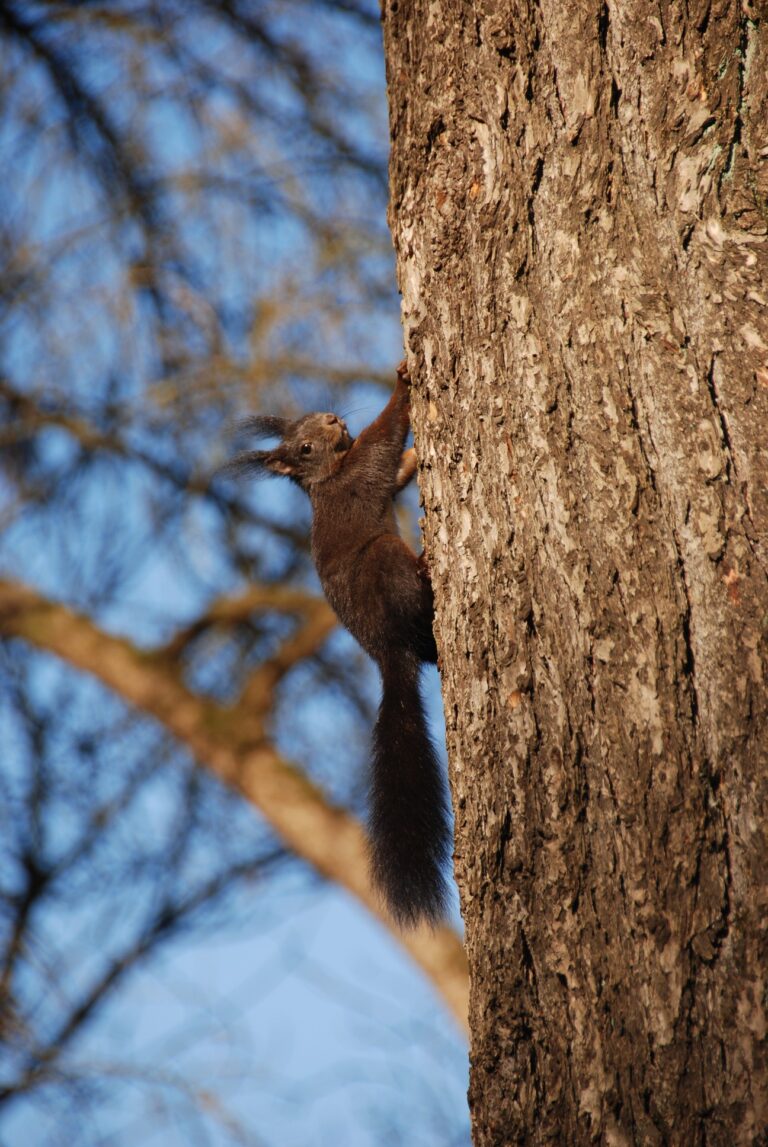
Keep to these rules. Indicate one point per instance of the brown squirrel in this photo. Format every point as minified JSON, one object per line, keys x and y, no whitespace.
{"x":381,"y":592}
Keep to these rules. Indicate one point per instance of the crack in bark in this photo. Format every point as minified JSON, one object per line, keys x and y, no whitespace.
{"x":634,"y":423}
{"x":688,"y":667}
{"x":693,"y":984}
{"x":603,"y":24}
{"x":731,"y":469}
{"x":721,"y":418}
{"x":738,"y":122}
{"x":538,"y":172}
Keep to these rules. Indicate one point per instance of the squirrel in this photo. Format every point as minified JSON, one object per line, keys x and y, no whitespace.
{"x":381,"y":592}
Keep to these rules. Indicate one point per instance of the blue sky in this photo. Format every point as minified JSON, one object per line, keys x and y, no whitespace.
{"x":284,"y":1015}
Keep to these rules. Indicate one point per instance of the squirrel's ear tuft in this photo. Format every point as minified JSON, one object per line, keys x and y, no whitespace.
{"x":259,"y":463}
{"x":264,"y":426}
{"x":252,"y":464}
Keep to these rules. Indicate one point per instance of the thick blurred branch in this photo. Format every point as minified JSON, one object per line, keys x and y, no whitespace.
{"x":230,"y":741}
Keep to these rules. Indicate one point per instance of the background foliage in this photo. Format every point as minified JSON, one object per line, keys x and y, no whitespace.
{"x":193,"y":227}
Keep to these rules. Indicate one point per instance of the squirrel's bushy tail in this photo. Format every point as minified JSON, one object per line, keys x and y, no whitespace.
{"x":410,"y":833}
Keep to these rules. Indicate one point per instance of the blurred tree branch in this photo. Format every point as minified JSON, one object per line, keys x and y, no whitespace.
{"x":232,"y":743}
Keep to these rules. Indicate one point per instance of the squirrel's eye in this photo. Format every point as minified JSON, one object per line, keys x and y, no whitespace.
{"x":306,"y":447}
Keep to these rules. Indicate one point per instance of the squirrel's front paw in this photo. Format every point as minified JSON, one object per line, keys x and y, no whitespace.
{"x":402,"y":373}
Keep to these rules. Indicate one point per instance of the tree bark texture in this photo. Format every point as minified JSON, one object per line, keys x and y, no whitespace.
{"x":580,"y":213}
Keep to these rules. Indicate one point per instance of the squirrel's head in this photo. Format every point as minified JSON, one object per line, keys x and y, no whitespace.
{"x":309,"y":450}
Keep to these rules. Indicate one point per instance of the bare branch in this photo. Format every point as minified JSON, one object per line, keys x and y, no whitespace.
{"x":231,"y":743}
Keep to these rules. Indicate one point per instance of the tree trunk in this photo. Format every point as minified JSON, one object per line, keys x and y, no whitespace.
{"x":580,"y":208}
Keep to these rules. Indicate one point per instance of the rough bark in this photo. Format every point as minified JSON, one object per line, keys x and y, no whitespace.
{"x":580,"y":209}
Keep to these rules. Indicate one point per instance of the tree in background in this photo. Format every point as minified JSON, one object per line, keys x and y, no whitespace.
{"x":193,"y":228}
{"x":580,"y":210}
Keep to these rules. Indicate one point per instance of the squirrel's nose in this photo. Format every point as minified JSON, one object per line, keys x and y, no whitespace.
{"x":332,"y":419}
